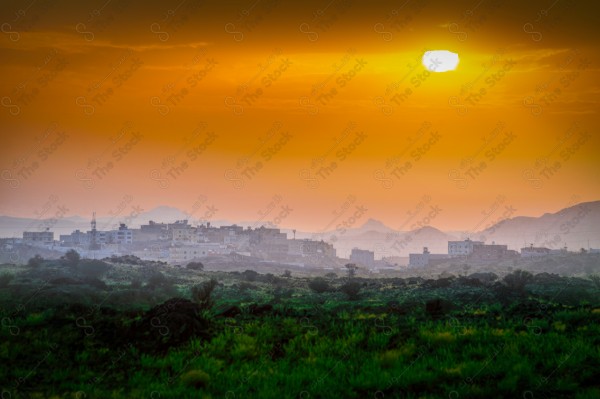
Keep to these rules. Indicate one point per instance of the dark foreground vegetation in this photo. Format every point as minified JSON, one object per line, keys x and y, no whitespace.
{"x":121,"y":328}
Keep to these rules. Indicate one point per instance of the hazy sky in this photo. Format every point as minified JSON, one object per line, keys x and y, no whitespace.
{"x":305,"y":114}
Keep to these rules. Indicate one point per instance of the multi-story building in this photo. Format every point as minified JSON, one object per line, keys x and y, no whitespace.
{"x":531,"y":252}
{"x":426,"y":258}
{"x":38,"y":237}
{"x":462,"y":248}
{"x":489,"y":252}
{"x":362,"y":257}
{"x":318,"y":248}
{"x":151,"y":232}
{"x":75,"y":239}
{"x":183,"y":234}
{"x":186,"y":253}
{"x":123,"y":235}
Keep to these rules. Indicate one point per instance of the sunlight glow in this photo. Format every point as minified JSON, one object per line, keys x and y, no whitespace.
{"x":440,"y":60}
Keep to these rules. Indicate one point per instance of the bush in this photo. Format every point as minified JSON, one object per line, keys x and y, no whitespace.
{"x":36,"y":261}
{"x":195,"y":266}
{"x":71,"y":258}
{"x":195,"y":378}
{"x":245,"y":286}
{"x":201,"y":293}
{"x":5,"y":279}
{"x":594,"y":278}
{"x":125,"y":259}
{"x":286,"y":274}
{"x":96,"y":283}
{"x":319,"y":285}
{"x":250,"y":275}
{"x":517,"y":280}
{"x":158,"y":280}
{"x":136,"y":284}
{"x":93,"y":268}
{"x":351,"y":289}
{"x":270,"y":278}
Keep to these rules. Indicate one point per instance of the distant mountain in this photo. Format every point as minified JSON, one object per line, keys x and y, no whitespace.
{"x":14,"y":226}
{"x":371,"y":225}
{"x":394,"y":243}
{"x":573,"y":226}
{"x":164,"y":214}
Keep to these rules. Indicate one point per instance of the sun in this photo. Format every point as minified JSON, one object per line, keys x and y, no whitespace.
{"x":440,"y":60}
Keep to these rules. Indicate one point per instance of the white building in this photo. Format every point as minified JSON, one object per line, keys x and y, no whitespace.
{"x":75,"y":239}
{"x":123,"y":235}
{"x":362,"y":257}
{"x":186,"y":253}
{"x":425,"y":259}
{"x":462,"y":248}
{"x":532,"y":252}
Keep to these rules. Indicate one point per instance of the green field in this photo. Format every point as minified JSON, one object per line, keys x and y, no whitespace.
{"x":111,"y":330}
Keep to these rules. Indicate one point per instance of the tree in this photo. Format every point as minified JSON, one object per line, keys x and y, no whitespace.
{"x":517,"y":280}
{"x":351,"y":268}
{"x":286,"y":274}
{"x":195,"y":266}
{"x":319,"y":285}
{"x":201,"y":293}
{"x":36,"y":261}
{"x":71,"y":258}
{"x":250,"y":275}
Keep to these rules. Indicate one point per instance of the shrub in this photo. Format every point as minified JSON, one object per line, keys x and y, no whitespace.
{"x":136,"y":283}
{"x":271,"y":278}
{"x":319,"y":285}
{"x":96,"y":283}
{"x":195,"y":266}
{"x":36,"y":261}
{"x":286,"y":274}
{"x":595,"y":279}
{"x":517,"y":280}
{"x":245,"y":286}
{"x":93,"y":268}
{"x":5,"y":279}
{"x":158,"y":280}
{"x":351,"y":289}
{"x":250,"y":275}
{"x":125,"y":259}
{"x":201,"y":293}
{"x":437,"y":308}
{"x":195,"y":378}
{"x":71,"y":258}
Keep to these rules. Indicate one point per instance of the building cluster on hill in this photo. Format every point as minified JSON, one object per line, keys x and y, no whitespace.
{"x":478,"y":252}
{"x":180,"y":242}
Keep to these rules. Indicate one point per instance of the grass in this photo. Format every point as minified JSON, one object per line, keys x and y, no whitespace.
{"x":383,"y":344}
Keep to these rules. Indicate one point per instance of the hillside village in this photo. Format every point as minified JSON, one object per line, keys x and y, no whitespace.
{"x":181,"y":242}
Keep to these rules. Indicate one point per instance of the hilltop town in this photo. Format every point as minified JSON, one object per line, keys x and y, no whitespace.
{"x":181,"y":242}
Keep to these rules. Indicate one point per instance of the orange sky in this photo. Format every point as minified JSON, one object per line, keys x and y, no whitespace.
{"x":168,"y":102}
